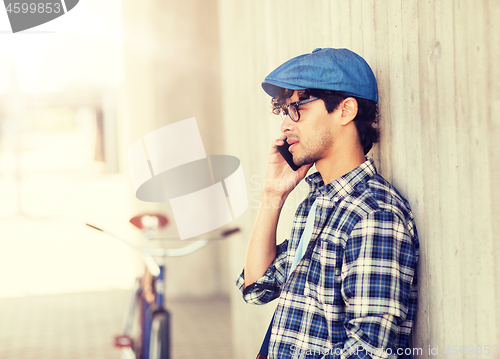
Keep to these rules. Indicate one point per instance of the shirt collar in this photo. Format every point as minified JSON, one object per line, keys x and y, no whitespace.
{"x":342,"y":186}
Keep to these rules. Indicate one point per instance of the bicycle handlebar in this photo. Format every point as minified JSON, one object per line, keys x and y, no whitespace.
{"x":170,"y":252}
{"x":149,"y":253}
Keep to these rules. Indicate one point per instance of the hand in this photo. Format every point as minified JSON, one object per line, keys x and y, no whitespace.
{"x":280,"y":178}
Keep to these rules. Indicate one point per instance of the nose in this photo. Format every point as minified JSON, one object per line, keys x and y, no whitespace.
{"x":287,"y":125}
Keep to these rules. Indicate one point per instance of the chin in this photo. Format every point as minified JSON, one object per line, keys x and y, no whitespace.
{"x":303,"y":161}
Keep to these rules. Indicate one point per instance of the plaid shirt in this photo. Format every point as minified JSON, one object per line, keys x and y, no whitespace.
{"x":354,"y":293}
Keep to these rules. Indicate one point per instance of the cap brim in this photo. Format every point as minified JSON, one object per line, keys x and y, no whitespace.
{"x":272,"y":88}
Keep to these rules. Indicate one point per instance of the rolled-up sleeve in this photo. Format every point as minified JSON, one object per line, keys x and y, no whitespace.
{"x":268,"y":287}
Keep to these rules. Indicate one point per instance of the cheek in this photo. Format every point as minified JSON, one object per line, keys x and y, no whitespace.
{"x":306,"y":140}
{"x":321,"y":139}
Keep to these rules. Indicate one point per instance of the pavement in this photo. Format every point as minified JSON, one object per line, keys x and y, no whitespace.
{"x":82,"y":326}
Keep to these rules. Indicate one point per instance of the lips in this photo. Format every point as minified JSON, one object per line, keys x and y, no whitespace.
{"x":292,"y":141}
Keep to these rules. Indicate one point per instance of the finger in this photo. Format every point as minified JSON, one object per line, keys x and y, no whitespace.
{"x":278,"y":142}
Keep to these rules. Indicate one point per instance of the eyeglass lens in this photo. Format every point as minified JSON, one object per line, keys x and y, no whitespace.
{"x":291,"y":111}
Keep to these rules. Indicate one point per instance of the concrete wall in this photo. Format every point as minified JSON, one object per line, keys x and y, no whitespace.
{"x":437,"y":67}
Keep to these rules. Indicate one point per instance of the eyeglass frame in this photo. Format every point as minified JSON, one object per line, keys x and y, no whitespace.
{"x":295,"y":104}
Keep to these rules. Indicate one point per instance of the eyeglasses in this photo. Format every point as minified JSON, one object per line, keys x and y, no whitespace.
{"x":292,"y":109}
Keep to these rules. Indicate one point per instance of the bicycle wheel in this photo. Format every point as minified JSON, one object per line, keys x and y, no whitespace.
{"x":159,"y":345}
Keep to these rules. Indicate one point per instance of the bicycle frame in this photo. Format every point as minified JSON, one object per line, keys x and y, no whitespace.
{"x":150,"y":310}
{"x":154,"y":342}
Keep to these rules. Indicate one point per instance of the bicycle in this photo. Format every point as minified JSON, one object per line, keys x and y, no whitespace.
{"x":146,"y":333}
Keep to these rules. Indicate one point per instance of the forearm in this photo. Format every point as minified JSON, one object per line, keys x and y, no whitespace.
{"x":261,"y":249}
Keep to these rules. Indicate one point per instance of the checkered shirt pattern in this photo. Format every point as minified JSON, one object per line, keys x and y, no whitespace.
{"x":354,"y":292}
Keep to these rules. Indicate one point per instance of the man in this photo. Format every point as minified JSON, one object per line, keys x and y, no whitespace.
{"x":346,"y":278}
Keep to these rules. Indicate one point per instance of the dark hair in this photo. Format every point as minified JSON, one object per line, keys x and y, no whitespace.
{"x":366,"y":119}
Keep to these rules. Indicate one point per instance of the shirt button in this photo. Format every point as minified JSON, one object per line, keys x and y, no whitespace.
{"x":335,"y":199}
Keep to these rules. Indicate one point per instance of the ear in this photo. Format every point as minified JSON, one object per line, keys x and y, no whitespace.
{"x":349,"y":110}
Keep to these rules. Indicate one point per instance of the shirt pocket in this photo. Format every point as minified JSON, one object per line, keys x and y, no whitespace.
{"x":323,"y":277}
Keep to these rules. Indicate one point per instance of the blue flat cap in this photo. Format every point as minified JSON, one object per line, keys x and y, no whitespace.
{"x":325,"y":69}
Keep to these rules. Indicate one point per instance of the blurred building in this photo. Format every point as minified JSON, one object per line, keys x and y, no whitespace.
{"x":172,"y":73}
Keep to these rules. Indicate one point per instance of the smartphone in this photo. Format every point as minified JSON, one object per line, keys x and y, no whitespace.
{"x":283,"y":150}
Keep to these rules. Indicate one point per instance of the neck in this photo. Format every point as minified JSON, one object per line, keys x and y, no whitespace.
{"x":340,"y":162}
